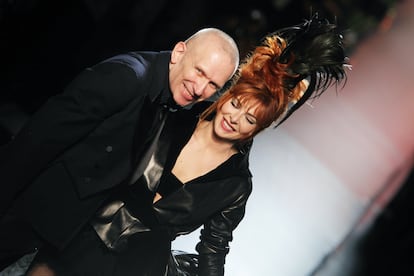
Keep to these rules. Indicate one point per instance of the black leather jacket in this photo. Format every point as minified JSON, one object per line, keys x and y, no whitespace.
{"x":216,"y":200}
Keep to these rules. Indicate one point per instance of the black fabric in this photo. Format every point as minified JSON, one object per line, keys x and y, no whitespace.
{"x":17,"y":239}
{"x":143,"y":253}
{"x":90,"y":128}
{"x":69,"y":159}
{"x":169,"y":183}
{"x":146,"y":255}
{"x":153,"y":128}
{"x":129,"y":211}
{"x":182,"y":263}
{"x":216,"y":199}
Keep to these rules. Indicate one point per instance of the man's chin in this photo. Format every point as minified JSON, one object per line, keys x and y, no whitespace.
{"x":182,"y":101}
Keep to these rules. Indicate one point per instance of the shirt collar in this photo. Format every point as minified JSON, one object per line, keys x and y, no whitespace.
{"x":167,"y":101}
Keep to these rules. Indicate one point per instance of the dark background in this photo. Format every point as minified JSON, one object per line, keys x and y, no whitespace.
{"x":45,"y":43}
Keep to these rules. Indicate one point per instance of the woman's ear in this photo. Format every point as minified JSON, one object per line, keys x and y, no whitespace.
{"x":178,"y":52}
{"x":300,"y":88}
{"x":304,"y":85}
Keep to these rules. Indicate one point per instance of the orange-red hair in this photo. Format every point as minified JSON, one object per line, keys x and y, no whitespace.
{"x":260,"y":80}
{"x":273,"y":76}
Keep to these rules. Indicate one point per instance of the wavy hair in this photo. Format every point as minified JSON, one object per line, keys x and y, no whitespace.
{"x":289,"y":67}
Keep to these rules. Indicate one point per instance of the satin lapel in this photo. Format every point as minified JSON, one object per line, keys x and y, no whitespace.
{"x":151,"y":157}
{"x":156,"y":165}
{"x":148,"y":124}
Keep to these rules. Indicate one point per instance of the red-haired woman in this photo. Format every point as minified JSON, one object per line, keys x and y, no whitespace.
{"x":199,"y":172}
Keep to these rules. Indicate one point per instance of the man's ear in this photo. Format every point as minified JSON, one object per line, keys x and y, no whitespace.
{"x":178,"y":52}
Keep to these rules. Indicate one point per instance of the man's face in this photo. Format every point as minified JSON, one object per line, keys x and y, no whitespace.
{"x":198,"y":71}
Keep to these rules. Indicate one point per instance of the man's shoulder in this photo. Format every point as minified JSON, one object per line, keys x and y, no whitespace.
{"x":149,"y":55}
{"x":142,"y":63}
{"x":140,"y":59}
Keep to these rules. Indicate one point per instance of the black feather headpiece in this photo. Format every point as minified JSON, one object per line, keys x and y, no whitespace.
{"x":316,"y":53}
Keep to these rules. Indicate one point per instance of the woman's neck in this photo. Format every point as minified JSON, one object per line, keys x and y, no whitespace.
{"x":203,"y":153}
{"x":205,"y":137}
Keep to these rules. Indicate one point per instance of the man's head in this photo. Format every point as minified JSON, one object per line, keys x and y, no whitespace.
{"x":201,"y":65}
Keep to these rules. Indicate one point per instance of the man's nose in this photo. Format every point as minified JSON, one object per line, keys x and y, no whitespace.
{"x":201,"y":87}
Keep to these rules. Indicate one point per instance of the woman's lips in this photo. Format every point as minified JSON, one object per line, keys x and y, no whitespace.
{"x":226,"y":126}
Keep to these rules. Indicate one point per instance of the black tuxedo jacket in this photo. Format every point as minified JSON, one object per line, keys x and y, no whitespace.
{"x":83,"y":142}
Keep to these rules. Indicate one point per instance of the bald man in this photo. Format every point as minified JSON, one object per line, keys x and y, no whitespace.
{"x":92,"y":137}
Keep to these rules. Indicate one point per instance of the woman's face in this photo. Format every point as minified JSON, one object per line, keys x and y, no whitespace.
{"x":235,"y":121}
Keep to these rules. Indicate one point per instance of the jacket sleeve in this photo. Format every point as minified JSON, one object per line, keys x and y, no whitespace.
{"x":63,"y":120}
{"x":216,"y":235}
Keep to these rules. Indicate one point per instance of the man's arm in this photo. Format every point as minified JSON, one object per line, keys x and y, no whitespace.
{"x":63,"y":120}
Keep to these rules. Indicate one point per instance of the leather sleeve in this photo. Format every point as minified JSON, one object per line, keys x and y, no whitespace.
{"x":216,"y":235}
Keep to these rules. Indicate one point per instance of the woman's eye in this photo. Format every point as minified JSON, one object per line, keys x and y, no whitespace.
{"x":251,"y":121}
{"x":235,"y":103}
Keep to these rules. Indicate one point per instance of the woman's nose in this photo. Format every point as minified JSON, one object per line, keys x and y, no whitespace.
{"x":234,"y":118}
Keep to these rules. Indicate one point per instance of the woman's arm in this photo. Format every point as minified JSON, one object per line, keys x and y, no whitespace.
{"x":216,"y":235}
